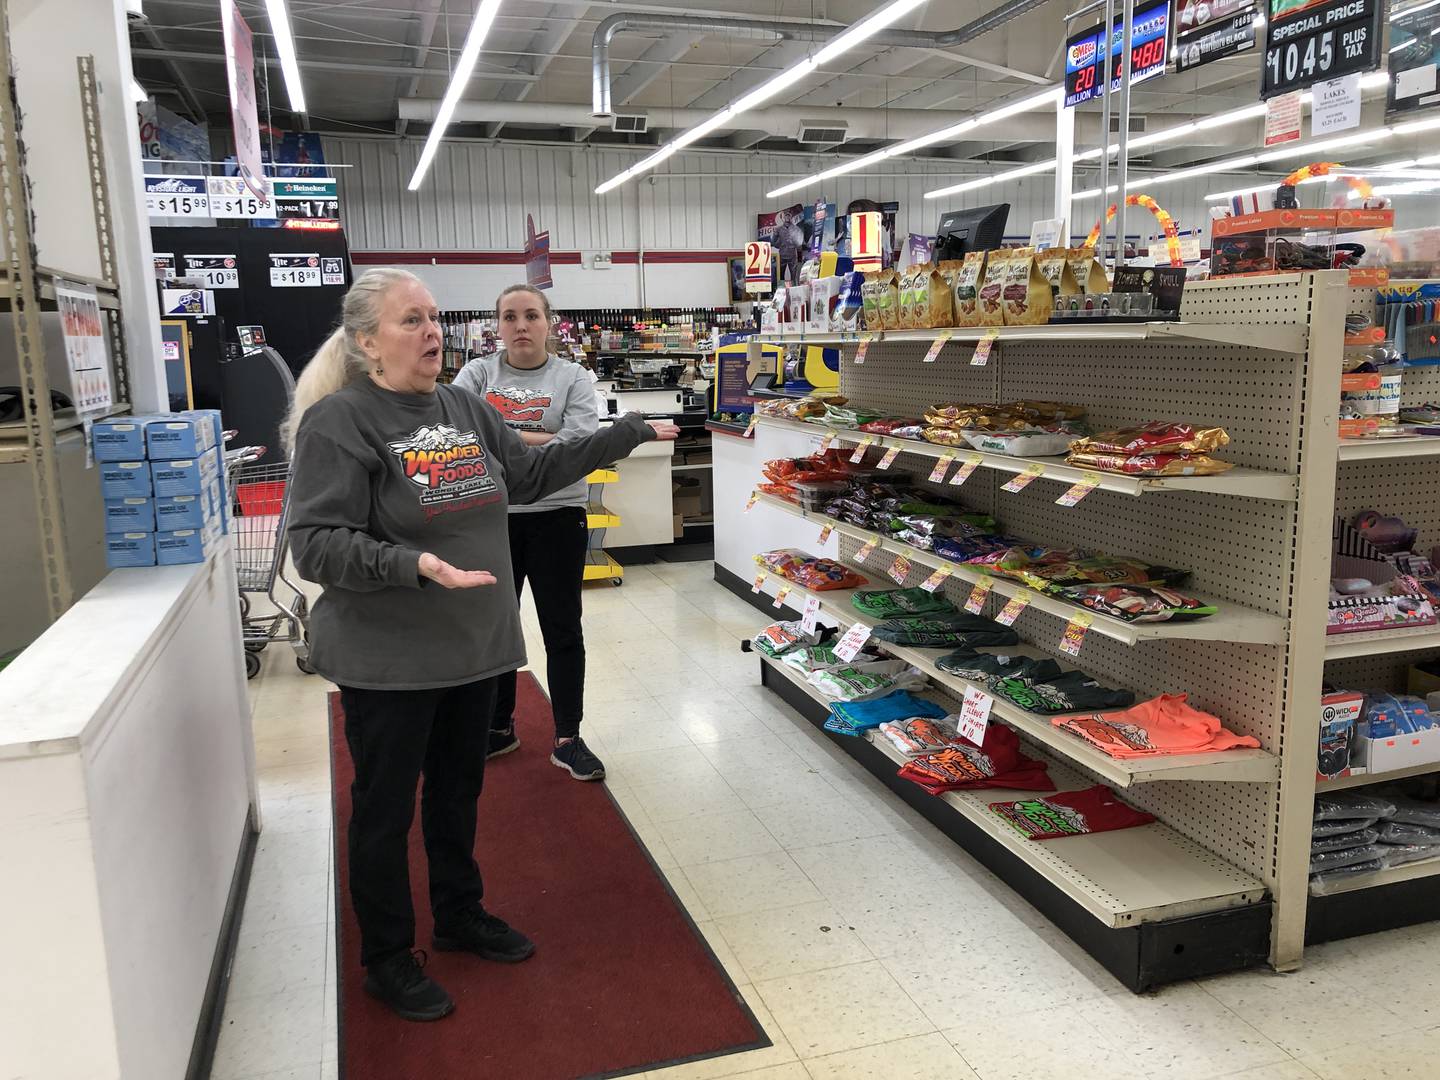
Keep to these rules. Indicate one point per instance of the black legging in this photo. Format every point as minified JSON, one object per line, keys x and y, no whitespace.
{"x":547,"y":547}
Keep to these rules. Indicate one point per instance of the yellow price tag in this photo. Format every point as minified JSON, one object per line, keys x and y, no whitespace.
{"x":754,"y":498}
{"x":862,"y":348}
{"x":942,"y":466}
{"x":1021,"y":480}
{"x":750,"y":427}
{"x":781,"y":595}
{"x":975,"y":602}
{"x":889,"y":458}
{"x":825,"y":533}
{"x":936,"y":345}
{"x":967,"y":466}
{"x":983,"y":347}
{"x":900,"y":569}
{"x":935,"y":580}
{"x":1011,"y":611}
{"x":1087,"y":483}
{"x":865,"y":552}
{"x":826,"y":441}
{"x":859,"y":454}
{"x":759,"y":580}
{"x":1075,"y":631}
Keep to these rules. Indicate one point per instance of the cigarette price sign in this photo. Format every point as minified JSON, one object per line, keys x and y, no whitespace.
{"x":1308,"y":41}
{"x":1085,"y":58}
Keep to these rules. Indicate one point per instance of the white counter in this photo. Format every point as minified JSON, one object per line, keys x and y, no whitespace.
{"x":126,"y":779}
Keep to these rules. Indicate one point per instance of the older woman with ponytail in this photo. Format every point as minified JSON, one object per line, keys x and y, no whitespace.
{"x":398,"y":510}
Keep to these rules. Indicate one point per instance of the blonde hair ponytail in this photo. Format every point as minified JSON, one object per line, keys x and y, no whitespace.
{"x":340,"y":361}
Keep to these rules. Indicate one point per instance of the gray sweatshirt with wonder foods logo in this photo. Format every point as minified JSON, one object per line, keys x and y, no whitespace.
{"x":382,"y":477}
{"x":557,"y":397}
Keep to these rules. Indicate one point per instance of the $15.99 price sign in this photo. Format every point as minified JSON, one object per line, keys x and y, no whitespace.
{"x":1309,"y":41}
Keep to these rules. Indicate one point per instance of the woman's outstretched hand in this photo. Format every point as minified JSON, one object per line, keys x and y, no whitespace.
{"x":664,"y":430}
{"x":439,"y":571}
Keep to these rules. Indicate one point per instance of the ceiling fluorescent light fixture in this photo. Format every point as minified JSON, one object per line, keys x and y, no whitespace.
{"x":1048,"y":96}
{"x":842,"y":42}
{"x":1417,"y":125}
{"x":469,"y":55}
{"x":986,"y":181}
{"x":285,"y":46}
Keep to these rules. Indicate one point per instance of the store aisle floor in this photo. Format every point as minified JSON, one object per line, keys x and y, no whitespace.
{"x":866,"y":942}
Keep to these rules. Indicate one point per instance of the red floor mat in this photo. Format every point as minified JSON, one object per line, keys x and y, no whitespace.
{"x":621,"y":981}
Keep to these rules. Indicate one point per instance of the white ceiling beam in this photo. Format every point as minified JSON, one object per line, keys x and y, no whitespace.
{"x":546,"y":45}
{"x":429,"y":13}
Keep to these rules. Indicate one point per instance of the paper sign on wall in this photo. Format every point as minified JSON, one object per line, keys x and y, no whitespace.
{"x":83,"y":328}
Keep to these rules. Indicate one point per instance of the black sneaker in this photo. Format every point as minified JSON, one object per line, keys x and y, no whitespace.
{"x":400,"y":983}
{"x":502,"y":742}
{"x":576,"y":757}
{"x":486,"y":936}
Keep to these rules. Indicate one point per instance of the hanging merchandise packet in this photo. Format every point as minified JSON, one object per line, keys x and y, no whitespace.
{"x":918,"y":735}
{"x":1162,"y":725}
{"x":779,"y":638}
{"x":954,"y":628}
{"x":1071,"y":813}
{"x":1354,"y":805}
{"x":893,"y":603}
{"x":854,"y":717}
{"x":996,"y":763}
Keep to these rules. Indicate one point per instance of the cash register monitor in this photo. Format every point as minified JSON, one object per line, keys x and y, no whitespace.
{"x":981,"y":228}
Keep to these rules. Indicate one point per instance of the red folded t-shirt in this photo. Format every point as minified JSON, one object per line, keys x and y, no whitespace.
{"x":1071,"y":813}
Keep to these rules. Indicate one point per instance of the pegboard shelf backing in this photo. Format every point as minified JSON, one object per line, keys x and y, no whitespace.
{"x":1266,"y":555}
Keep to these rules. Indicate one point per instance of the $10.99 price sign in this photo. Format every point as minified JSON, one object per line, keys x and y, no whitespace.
{"x":1309,"y":41}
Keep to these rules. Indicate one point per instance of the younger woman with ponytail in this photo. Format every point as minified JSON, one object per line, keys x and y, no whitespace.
{"x":546,"y":400}
{"x":398,"y":509}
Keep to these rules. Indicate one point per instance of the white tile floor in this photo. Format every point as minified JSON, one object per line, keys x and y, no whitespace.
{"x":868,"y":945}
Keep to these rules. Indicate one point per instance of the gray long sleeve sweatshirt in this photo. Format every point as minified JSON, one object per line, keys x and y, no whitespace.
{"x":557,"y":397}
{"x":381,"y":477}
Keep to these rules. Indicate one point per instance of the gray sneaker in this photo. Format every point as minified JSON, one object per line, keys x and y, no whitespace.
{"x":575,"y":757}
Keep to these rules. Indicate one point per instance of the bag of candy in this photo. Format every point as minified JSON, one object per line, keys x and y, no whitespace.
{"x":1138,"y":603}
{"x":1149,"y":464}
{"x":1157,"y":437}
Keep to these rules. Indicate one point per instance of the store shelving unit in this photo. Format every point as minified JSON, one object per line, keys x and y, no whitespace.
{"x":1260,"y":357}
{"x":1396,"y":449}
{"x":1231,"y":623}
{"x":1249,"y":483}
{"x":26,"y":290}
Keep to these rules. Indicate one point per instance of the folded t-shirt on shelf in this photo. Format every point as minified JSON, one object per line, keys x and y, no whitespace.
{"x":1162,"y":725}
{"x":1071,"y":813}
{"x":861,"y":681}
{"x":779,"y":638}
{"x":854,"y":717}
{"x":894,"y":603}
{"x":996,"y":763}
{"x":1064,"y":693}
{"x":918,"y":735}
{"x":944,"y":629}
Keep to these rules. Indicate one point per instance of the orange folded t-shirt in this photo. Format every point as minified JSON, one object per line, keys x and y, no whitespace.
{"x":1162,"y":725}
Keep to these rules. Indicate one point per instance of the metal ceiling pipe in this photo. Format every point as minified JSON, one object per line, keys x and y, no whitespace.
{"x":622,"y":21}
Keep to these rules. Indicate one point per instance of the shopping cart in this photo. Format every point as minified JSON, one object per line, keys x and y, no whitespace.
{"x":261,"y":510}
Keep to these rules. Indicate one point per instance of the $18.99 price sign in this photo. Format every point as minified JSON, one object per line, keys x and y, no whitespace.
{"x":1308,"y":42}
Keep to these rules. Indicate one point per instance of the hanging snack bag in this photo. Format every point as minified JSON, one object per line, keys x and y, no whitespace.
{"x":1054,"y":264}
{"x":939,"y":298}
{"x":992,"y":289}
{"x":888,"y":300}
{"x":968,"y":279}
{"x":909,"y":306}
{"x":849,"y":308}
{"x":1028,"y":301}
{"x":1089,"y":275}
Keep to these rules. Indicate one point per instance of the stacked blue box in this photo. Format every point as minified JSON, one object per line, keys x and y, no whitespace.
{"x":160,"y":478}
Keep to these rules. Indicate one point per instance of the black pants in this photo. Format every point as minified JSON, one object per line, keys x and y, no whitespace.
{"x":547,"y":548}
{"x":394,"y":737}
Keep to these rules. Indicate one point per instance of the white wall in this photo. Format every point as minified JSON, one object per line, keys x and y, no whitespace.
{"x":460,"y":286}
{"x":478,"y":194}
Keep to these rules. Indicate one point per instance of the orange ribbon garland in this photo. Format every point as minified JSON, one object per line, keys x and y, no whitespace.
{"x":1324,"y":168}
{"x":1167,"y":225}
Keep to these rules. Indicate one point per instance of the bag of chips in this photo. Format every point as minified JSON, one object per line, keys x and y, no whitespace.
{"x":1157,"y":437}
{"x":992,"y":289}
{"x":968,"y":280}
{"x":1138,"y":603}
{"x":1026,"y":292}
{"x":1149,"y":464}
{"x":817,"y":575}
